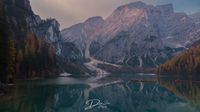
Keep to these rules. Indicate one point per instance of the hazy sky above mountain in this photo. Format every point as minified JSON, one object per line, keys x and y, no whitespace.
{"x":69,"y":12}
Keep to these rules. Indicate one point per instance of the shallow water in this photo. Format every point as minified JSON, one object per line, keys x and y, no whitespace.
{"x":114,"y":93}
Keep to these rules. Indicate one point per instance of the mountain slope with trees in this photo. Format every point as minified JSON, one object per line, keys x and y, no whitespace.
{"x":33,"y":47}
{"x":185,"y":65}
{"x":23,"y":54}
{"x":7,"y":49}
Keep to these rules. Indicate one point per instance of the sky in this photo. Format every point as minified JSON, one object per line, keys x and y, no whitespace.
{"x":70,"y":12}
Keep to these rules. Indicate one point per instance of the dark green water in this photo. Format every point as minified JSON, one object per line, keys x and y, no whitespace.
{"x":115,"y":93}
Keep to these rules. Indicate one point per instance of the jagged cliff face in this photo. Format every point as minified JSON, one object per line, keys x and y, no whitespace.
{"x":145,"y":36}
{"x":196,"y":17}
{"x":82,"y":34}
{"x":195,"y":33}
{"x":16,"y":12}
{"x":47,"y":29}
{"x":70,"y":52}
{"x":22,"y":19}
{"x":138,"y":35}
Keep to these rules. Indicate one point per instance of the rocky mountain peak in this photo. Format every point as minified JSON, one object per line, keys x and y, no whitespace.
{"x":135,"y":34}
{"x":196,"y":17}
{"x":94,"y":19}
{"x":26,"y":4}
{"x":166,"y":9}
{"x":132,"y":5}
{"x":22,"y":4}
{"x":82,"y":34}
{"x":53,"y":22}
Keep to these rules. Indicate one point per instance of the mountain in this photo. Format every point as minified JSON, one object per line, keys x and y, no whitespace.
{"x":22,"y":19}
{"x":27,"y":54}
{"x":184,"y":64}
{"x":82,"y":34}
{"x":196,"y":17}
{"x":30,"y":46}
{"x":135,"y":34}
{"x":47,"y":29}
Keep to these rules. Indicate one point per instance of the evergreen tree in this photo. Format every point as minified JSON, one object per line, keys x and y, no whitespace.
{"x":185,"y":65}
{"x":11,"y":60}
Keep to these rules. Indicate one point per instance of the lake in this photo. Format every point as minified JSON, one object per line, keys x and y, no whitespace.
{"x":112,"y":93}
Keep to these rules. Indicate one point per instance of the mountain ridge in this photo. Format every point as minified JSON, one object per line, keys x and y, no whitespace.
{"x":30,"y":46}
{"x":157,"y":32}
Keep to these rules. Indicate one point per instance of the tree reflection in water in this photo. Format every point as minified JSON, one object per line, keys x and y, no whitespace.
{"x":186,"y":89}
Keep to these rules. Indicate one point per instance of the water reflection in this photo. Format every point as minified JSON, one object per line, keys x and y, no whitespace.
{"x":110,"y":94}
{"x":186,"y":89}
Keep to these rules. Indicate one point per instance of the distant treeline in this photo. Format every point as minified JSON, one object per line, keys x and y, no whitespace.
{"x":186,"y":64}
